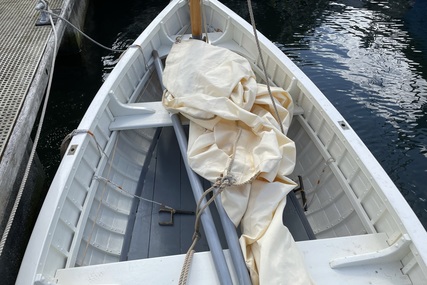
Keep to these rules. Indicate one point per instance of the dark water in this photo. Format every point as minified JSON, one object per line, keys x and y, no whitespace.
{"x":368,"y":57}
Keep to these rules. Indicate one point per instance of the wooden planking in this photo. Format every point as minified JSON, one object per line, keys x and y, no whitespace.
{"x":162,"y":270}
{"x":167,"y":182}
{"x":139,"y":244}
{"x":326,"y":218}
{"x":165,"y":240}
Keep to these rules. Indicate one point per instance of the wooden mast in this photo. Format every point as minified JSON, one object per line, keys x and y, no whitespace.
{"x":196,"y":19}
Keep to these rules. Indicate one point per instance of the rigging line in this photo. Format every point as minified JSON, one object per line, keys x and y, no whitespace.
{"x":100,"y":178}
{"x":251,"y":14}
{"x":101,"y":198}
{"x":319,"y":180}
{"x":220,"y":184}
{"x":81,"y":32}
{"x":205,"y":23}
{"x":68,"y":138}
{"x":36,"y":140}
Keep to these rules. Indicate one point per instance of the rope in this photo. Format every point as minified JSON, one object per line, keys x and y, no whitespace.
{"x":205,"y":23}
{"x":220,"y":184}
{"x":251,"y":14}
{"x":223,"y":181}
{"x":67,"y":139}
{"x":100,"y":201}
{"x":106,"y":180}
{"x":81,"y":32}
{"x":319,"y":180}
{"x":33,"y":149}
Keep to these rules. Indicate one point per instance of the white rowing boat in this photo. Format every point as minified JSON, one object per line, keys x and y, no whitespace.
{"x":101,"y":224}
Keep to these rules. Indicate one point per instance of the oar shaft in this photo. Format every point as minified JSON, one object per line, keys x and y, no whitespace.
{"x":206,"y":217}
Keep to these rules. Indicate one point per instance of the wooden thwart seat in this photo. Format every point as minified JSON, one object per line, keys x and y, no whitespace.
{"x":318,"y":255}
{"x":146,"y":115}
{"x":322,"y":257}
{"x":159,"y":270}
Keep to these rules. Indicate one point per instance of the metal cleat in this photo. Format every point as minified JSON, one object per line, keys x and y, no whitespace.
{"x":172,"y":213}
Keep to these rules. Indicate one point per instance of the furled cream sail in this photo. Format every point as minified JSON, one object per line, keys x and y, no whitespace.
{"x":233,"y":132}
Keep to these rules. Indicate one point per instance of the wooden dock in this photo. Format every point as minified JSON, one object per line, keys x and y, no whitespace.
{"x":26,"y":53}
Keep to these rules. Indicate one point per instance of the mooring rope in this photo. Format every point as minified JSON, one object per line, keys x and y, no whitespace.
{"x":81,"y":32}
{"x":33,"y":149}
{"x":43,"y":113}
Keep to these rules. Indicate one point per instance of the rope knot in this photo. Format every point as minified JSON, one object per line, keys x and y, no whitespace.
{"x":227,"y":180}
{"x":224,"y":181}
{"x":196,"y":235}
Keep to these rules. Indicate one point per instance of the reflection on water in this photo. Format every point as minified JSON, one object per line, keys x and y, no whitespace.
{"x":373,"y":69}
{"x":140,"y":15}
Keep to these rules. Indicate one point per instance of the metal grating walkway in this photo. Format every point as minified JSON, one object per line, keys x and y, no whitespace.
{"x":21,"y":47}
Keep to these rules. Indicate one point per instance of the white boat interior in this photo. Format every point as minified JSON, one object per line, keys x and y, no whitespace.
{"x":98,"y":226}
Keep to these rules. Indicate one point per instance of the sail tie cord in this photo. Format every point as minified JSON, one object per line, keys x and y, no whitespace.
{"x":217,"y":188}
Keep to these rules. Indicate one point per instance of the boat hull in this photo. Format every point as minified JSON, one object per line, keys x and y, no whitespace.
{"x":85,"y":221}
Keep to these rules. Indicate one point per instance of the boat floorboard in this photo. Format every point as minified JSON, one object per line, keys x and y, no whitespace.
{"x":166,"y":182}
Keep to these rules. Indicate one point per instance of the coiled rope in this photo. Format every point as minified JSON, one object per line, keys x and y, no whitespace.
{"x":33,"y":149}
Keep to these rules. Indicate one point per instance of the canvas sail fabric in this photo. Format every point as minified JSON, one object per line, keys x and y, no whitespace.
{"x":233,"y":132}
